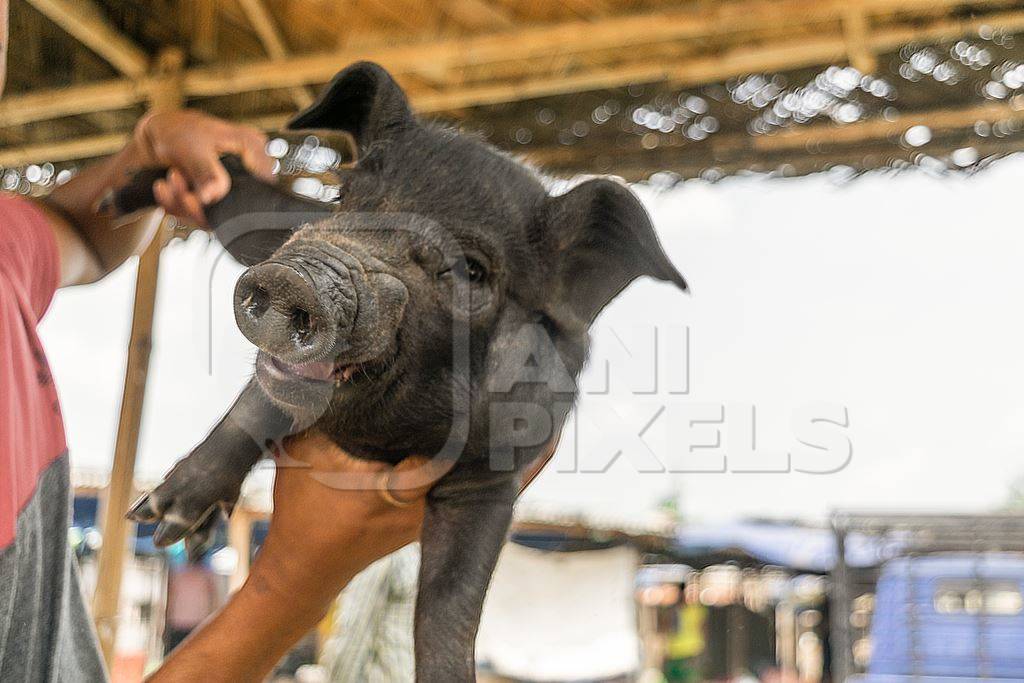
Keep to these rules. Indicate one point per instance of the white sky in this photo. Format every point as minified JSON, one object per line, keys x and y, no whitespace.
{"x":897,"y":297}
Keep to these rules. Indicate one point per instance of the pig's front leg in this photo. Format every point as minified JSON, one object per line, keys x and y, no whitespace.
{"x":209,"y":479}
{"x":463,"y":532}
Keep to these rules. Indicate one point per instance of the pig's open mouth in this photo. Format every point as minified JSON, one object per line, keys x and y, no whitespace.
{"x":325,"y":371}
{"x":312,"y":384}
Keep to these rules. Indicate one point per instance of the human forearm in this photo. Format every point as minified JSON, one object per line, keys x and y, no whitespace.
{"x":93,"y":243}
{"x":189,"y":144}
{"x":243,"y":641}
{"x":320,"y":537}
{"x":261,"y":622}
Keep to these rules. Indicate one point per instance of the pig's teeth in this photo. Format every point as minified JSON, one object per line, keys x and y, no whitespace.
{"x":344,"y":373}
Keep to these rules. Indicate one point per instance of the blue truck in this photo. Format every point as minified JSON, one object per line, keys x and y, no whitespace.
{"x":948,"y":618}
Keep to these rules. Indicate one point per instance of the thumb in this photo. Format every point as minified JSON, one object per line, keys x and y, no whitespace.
{"x":208,"y":178}
{"x":251,"y":145}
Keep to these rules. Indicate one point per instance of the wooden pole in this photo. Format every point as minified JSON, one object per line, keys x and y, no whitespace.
{"x":240,"y":539}
{"x":803,"y":137}
{"x":858,"y":43}
{"x":273,"y":42}
{"x":85,"y":21}
{"x":166,"y":94}
{"x":52,"y":103}
{"x":63,"y":150}
{"x":203,"y":16}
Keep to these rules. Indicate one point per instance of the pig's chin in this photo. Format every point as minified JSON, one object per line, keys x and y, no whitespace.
{"x":304,"y":386}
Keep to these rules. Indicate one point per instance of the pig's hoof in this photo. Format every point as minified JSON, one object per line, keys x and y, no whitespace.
{"x":173,"y":526}
{"x":186,"y":507}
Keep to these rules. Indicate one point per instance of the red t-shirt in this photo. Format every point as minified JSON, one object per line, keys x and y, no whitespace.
{"x":31,"y":428}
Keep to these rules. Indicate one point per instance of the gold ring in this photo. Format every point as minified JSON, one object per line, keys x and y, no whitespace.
{"x":384,"y":488}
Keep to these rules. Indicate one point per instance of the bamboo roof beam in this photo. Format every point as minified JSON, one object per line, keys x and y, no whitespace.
{"x":204,"y":19}
{"x":568,"y":37}
{"x":612,"y":33}
{"x":876,"y":129}
{"x":41,"y":105}
{"x":587,"y":9}
{"x":858,"y":42}
{"x":84,"y":20}
{"x":733,"y":154}
{"x":771,"y":57}
{"x":477,"y":14}
{"x":273,"y":42}
{"x":800,"y":138}
{"x":812,"y":139}
{"x":63,"y":150}
{"x":359,"y":28}
{"x":778,"y":56}
{"x":407,"y":15}
{"x":573,"y":36}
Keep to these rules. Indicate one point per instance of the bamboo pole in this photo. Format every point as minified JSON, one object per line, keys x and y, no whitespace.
{"x":858,"y":44}
{"x":273,"y":42}
{"x":203,"y":15}
{"x":167,"y":94}
{"x":64,"y":150}
{"x":880,"y":129}
{"x":477,"y":14}
{"x":944,"y":119}
{"x":68,"y":101}
{"x":566,"y":38}
{"x":85,"y":21}
{"x":794,"y":139}
{"x":571,"y":37}
{"x":240,"y":539}
{"x":776,"y":55}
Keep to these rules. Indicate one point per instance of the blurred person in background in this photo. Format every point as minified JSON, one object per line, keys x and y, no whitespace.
{"x":684,"y":649}
{"x":319,"y":537}
{"x":192,"y":596}
{"x":371,"y":630}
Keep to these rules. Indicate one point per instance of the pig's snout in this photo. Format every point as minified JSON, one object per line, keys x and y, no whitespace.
{"x":295,"y":312}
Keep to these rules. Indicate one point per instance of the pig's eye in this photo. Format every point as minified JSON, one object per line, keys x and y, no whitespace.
{"x":469,"y":269}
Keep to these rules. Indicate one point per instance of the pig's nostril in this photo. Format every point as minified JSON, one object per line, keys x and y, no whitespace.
{"x":303,"y":326}
{"x":295,"y":308}
{"x":256,"y":302}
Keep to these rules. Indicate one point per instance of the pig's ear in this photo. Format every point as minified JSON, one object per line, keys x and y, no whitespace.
{"x":603,"y":240}
{"x":363,"y":100}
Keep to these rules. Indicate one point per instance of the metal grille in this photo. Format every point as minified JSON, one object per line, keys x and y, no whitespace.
{"x":907,"y":535}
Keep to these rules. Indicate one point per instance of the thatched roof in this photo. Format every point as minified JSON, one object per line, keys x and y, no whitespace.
{"x":631,"y":87}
